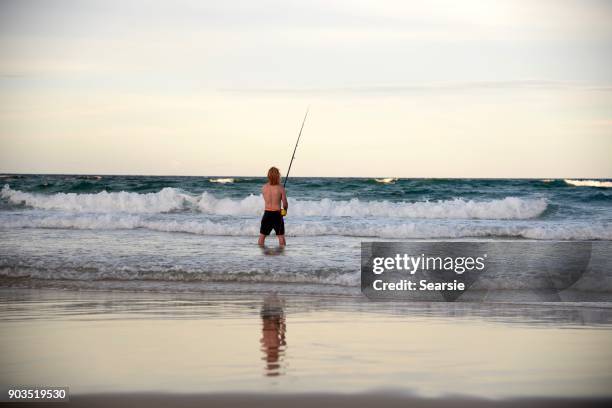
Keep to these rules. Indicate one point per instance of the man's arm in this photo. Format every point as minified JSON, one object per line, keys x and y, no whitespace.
{"x":284,"y":198}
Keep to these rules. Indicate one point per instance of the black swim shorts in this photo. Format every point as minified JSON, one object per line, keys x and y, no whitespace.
{"x":272,"y":220}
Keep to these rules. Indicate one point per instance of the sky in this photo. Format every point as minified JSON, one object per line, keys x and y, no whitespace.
{"x":476,"y":88}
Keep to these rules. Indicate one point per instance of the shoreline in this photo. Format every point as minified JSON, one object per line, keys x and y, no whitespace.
{"x":353,"y":297}
{"x":577,"y":298}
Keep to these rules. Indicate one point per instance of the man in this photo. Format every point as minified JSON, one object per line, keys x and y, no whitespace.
{"x":273,"y":194}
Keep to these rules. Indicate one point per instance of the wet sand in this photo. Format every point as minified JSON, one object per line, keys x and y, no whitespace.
{"x":152,"y":349}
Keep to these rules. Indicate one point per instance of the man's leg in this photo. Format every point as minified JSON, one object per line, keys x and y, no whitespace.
{"x":264,"y":230}
{"x":279,"y":230}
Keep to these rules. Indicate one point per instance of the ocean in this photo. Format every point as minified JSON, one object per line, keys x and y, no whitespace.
{"x":137,"y":285}
{"x":167,"y":233}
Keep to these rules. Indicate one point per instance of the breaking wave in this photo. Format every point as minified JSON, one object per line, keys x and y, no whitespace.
{"x":388,"y":180}
{"x":221,"y":180}
{"x":173,"y":200}
{"x":589,"y":183}
{"x":166,"y":200}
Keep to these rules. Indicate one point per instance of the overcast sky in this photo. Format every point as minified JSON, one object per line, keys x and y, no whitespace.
{"x":472,"y":88}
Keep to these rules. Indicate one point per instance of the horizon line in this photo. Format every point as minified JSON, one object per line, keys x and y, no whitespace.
{"x":297,"y":177}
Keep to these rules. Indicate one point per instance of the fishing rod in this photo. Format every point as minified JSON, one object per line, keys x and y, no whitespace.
{"x":295,"y":148}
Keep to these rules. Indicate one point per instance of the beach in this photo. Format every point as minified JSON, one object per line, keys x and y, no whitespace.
{"x":220,"y":347}
{"x":436,"y":173}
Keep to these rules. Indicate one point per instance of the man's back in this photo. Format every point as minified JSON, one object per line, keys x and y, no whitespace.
{"x":272,"y":219}
{"x":273,"y":195}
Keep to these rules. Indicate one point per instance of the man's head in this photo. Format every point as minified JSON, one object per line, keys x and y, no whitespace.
{"x":274,"y":176}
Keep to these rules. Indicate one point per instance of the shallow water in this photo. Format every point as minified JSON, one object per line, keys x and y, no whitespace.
{"x":141,"y":260}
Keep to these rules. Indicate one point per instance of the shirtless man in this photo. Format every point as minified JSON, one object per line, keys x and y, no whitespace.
{"x":273,"y":194}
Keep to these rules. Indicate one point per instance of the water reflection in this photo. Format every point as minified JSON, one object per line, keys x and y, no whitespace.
{"x":273,"y":330}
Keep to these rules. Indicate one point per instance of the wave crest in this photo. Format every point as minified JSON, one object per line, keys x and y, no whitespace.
{"x":589,"y":183}
{"x":221,"y":180}
{"x":171,"y":199}
{"x":388,"y":180}
{"x":165,"y":200}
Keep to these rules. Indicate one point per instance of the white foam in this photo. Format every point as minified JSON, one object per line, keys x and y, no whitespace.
{"x":167,"y":199}
{"x":171,"y":199}
{"x":209,"y":204}
{"x":221,"y":180}
{"x":388,"y":180}
{"x":507,"y":208}
{"x":250,"y":227}
{"x":589,"y":183}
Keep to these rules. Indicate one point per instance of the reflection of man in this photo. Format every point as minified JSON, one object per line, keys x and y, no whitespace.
{"x":273,"y":334}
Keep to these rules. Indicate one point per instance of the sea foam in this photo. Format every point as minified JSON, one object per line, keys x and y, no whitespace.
{"x":589,"y":183}
{"x":171,"y":199}
{"x":221,"y":180}
{"x":398,"y":229}
{"x":388,"y":180}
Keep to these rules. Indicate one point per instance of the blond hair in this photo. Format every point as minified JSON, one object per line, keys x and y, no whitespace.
{"x":274,"y":176}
